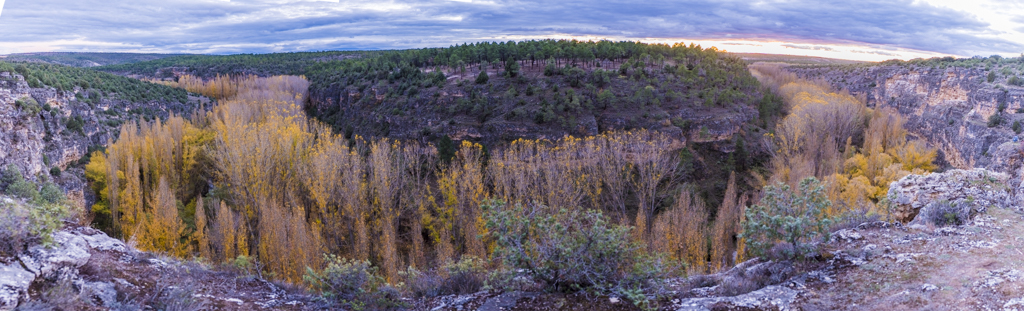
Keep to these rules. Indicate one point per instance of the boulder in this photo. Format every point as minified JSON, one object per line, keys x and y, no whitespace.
{"x":14,"y":283}
{"x":979,"y":188}
{"x":67,"y":250}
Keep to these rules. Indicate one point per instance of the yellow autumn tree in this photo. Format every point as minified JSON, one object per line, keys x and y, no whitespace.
{"x":682,"y":232}
{"x":162,"y":229}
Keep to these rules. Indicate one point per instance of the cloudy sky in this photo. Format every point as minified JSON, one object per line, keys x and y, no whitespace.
{"x":865,"y":29}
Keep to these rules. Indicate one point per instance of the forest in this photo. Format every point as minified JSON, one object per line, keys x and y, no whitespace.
{"x":545,"y":85}
{"x":75,"y":59}
{"x":208,"y":66}
{"x":97,"y":84}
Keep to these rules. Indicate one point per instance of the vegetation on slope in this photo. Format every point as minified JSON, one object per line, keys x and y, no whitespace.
{"x":208,"y":66}
{"x":83,"y":59}
{"x":39,"y":211}
{"x":547,"y":86}
{"x":93,"y":84}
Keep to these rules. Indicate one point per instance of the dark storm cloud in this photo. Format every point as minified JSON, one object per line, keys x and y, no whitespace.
{"x":266,"y":26}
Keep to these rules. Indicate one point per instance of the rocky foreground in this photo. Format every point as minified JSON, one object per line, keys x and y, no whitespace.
{"x":87,"y":270}
{"x":975,"y":265}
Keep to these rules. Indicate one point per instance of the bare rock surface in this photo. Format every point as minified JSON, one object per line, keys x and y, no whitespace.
{"x":977,"y":188}
{"x":89,"y":270}
{"x":14,"y":283}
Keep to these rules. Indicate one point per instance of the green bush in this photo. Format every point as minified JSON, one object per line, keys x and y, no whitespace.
{"x":23,"y":224}
{"x":571,"y":250}
{"x":1016,"y":127}
{"x":991,"y":76}
{"x":28,"y":105}
{"x":352,"y":283}
{"x":793,"y":218}
{"x":24,"y":189}
{"x":52,"y":194}
{"x":10,"y":175}
{"x":1015,"y":81}
{"x":550,"y":69}
{"x":76,"y":124}
{"x":995,"y":120}
{"x":482,"y":77}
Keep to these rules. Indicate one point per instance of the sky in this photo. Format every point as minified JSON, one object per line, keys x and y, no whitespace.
{"x":872,"y":30}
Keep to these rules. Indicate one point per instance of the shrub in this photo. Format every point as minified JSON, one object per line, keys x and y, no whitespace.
{"x":1015,"y":81}
{"x":785,"y":216}
{"x":1016,"y":127}
{"x":10,"y":175}
{"x":991,"y":76}
{"x":571,"y":250}
{"x":994,"y":120}
{"x":55,"y":171}
{"x":24,"y":189}
{"x":466,"y":276}
{"x":27,"y":223}
{"x":52,"y":194}
{"x":482,"y":77}
{"x":352,"y":283}
{"x":76,"y":124}
{"x":14,"y":229}
{"x":28,"y":105}
{"x":944,"y":213}
{"x":550,"y":69}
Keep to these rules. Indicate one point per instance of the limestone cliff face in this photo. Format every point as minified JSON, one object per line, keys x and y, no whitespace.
{"x":36,"y":142}
{"x":948,"y":107}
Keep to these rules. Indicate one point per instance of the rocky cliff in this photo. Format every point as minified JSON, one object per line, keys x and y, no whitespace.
{"x":47,"y":131}
{"x":949,"y":106}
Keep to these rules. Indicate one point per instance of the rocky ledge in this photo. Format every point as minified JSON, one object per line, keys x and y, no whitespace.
{"x":84,"y":269}
{"x":977,"y":189}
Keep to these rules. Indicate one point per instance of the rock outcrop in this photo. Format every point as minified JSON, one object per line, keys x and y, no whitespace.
{"x":86,"y":269}
{"x":70,"y":250}
{"x":977,"y":188}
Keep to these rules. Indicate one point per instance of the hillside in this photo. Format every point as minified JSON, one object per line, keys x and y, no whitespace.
{"x":82,"y":59}
{"x":209,"y":66}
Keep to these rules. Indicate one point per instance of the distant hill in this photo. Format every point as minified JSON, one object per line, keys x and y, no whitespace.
{"x":83,"y":59}
{"x":794,"y":59}
{"x":208,"y":66}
